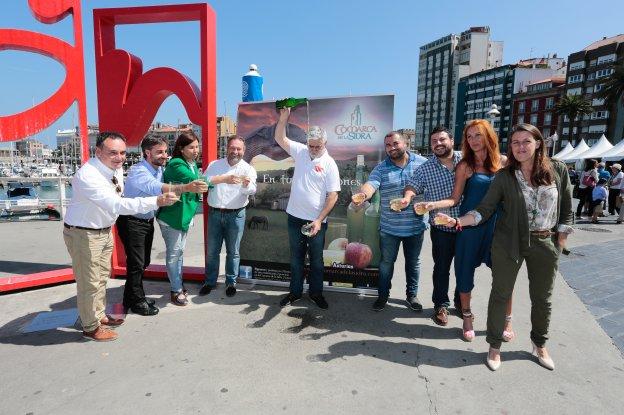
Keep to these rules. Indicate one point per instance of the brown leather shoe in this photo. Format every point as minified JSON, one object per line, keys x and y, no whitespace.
{"x":111,"y":321}
{"x":179,"y":299}
{"x":441,"y":316}
{"x":100,"y":335}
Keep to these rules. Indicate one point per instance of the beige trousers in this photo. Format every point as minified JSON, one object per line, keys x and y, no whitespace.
{"x":91,"y":253}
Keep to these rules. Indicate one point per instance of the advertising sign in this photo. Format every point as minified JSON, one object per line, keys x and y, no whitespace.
{"x":355,"y":127}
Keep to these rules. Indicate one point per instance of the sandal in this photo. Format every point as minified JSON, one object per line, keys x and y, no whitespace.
{"x":508,"y":335}
{"x":468,"y":335}
{"x":179,"y":299}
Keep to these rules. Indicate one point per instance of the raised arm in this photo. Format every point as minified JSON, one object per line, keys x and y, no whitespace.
{"x":462,"y":174}
{"x":280,"y":129}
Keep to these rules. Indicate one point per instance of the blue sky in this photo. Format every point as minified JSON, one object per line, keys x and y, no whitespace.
{"x":305,"y":48}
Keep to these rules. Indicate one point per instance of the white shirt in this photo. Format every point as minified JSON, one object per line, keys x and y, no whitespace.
{"x":95,"y":202}
{"x":619,"y":176}
{"x":312,"y":181}
{"x":230,"y":196}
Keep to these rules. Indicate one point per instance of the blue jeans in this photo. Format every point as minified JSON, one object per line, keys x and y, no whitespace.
{"x":175,"y":241}
{"x":228,"y":226}
{"x":389,"y":250}
{"x":299,"y":245}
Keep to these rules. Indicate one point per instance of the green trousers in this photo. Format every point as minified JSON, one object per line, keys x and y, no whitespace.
{"x":542,"y":258}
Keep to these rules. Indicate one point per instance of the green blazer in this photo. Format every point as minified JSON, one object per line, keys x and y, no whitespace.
{"x":180,"y":214}
{"x":512,"y":224}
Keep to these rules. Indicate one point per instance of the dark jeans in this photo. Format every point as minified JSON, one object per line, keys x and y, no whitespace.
{"x":585,"y":195}
{"x":299,"y":245}
{"x":137,"y":236}
{"x":613,"y":194}
{"x":443,"y":251}
{"x":389,"y":250}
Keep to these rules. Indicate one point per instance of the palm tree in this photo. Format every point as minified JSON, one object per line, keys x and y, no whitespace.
{"x":574,"y":106}
{"x":613,"y":89}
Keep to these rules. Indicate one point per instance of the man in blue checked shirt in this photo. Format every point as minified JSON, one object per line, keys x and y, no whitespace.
{"x":435,"y":179}
{"x":390,"y":178}
{"x":137,"y":231}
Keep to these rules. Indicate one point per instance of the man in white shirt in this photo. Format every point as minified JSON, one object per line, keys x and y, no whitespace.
{"x":96,"y":203}
{"x":234,"y":180}
{"x":313,"y":194}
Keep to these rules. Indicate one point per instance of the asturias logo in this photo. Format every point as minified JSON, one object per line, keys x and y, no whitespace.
{"x":355,"y":130}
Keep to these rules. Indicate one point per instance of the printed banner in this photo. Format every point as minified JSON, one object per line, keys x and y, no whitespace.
{"x":355,"y":127}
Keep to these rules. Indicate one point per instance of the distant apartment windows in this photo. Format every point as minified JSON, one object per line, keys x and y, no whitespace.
{"x":600,"y":115}
{"x":597,"y":87}
{"x":533,"y":119}
{"x":604,"y":72}
{"x":577,"y":65}
{"x":589,"y":89}
{"x":550,"y":102}
{"x":547,"y":118}
{"x":478,"y":105}
{"x":575,"y":91}
{"x":598,"y":101}
{"x":601,"y":128}
{"x":546,"y":132}
{"x":606,"y":59}
{"x":591,"y":76}
{"x":521,"y":107}
{"x":592,"y":62}
{"x":520,"y":119}
{"x":575,"y":79}
{"x":535,"y":105}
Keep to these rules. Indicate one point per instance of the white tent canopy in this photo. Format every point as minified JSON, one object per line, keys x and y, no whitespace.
{"x":564,"y":152}
{"x":595,"y":152}
{"x":616,"y":153}
{"x":579,"y":149}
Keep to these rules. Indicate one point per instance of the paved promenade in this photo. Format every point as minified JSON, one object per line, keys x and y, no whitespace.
{"x":246,"y":355}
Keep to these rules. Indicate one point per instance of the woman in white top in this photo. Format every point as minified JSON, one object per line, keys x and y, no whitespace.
{"x":585,"y":190}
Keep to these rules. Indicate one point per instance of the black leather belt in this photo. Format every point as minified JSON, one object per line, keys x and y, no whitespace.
{"x":543,"y":234}
{"x":86,"y":229}
{"x":151,"y":220}
{"x":223,"y":210}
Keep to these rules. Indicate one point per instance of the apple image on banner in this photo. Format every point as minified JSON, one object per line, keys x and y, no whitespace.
{"x":359,"y":255}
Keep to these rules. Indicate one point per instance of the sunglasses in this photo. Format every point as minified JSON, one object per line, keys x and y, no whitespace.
{"x":116,"y":183}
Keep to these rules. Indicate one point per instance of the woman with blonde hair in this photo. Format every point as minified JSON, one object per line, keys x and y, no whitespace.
{"x":533,"y":226}
{"x":480,"y":161}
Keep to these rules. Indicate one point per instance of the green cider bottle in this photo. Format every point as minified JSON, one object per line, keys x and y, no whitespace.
{"x":290,"y":102}
{"x":371,"y":229}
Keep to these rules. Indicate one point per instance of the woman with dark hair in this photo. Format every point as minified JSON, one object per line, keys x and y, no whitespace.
{"x":533,"y":225}
{"x":175,"y":220}
{"x":587,"y":182}
{"x":481,"y":160}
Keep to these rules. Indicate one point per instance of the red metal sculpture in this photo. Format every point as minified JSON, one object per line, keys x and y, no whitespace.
{"x":39,"y":117}
{"x":128,"y":99}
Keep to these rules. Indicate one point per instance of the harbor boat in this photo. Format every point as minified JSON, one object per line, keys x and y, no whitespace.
{"x":23,"y":203}
{"x":49,"y":177}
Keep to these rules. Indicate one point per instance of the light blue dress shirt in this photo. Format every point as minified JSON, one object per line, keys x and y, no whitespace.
{"x":143,"y":180}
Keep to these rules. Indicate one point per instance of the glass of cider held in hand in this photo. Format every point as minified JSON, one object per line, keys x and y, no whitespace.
{"x":396,"y":205}
{"x":358,"y":198}
{"x":441,"y":220}
{"x":420,"y":208}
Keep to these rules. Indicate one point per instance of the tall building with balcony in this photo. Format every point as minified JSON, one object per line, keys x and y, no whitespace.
{"x":535,"y":105}
{"x":587,"y":70}
{"x":442,"y":63}
{"x":476,"y":93}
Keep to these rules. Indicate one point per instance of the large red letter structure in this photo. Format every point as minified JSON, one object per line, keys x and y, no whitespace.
{"x":128,"y":99}
{"x":41,"y":116}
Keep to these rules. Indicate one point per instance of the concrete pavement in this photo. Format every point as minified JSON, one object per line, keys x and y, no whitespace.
{"x":244,"y":354}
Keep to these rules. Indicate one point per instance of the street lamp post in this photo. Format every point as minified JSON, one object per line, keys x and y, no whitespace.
{"x":494,"y":113}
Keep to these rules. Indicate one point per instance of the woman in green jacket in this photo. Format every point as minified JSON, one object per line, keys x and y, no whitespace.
{"x":175,"y":220}
{"x":536,"y":198}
